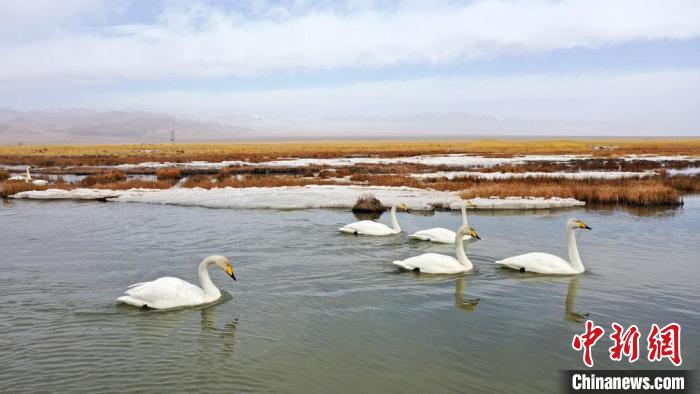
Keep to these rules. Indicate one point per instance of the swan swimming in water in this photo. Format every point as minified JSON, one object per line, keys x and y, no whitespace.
{"x":433,"y":263}
{"x":443,"y":235}
{"x":168,"y":292}
{"x":545,"y":263}
{"x":370,"y":227}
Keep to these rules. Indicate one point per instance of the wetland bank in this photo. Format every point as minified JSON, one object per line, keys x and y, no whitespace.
{"x":630,"y":172}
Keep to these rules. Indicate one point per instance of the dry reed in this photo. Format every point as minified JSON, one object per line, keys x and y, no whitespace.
{"x":135,"y":184}
{"x":254,"y":181}
{"x":628,"y":192}
{"x":168,"y":173}
{"x":103,"y":178}
{"x":11,"y":187}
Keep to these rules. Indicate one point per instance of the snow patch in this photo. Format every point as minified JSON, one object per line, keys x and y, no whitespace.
{"x":75,"y":194}
{"x":297,"y":197}
{"x":660,"y":158}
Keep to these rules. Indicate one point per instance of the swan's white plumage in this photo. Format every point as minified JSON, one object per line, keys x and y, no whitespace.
{"x":165,"y":293}
{"x":549,"y":264}
{"x":370,"y":227}
{"x":433,"y":263}
{"x":22,"y":177}
{"x":541,"y":263}
{"x":169,"y":292}
{"x":439,"y":235}
{"x":443,"y":235}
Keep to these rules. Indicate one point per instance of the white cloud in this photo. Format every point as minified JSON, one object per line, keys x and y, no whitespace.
{"x":202,"y":41}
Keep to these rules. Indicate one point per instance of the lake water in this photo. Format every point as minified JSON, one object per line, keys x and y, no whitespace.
{"x":315,"y":310}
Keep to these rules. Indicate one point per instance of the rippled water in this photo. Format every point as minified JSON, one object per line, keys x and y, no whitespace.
{"x":316,"y":310}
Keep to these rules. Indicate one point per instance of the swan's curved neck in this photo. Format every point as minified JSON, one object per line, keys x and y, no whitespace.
{"x":574,"y":258}
{"x":210,"y":290}
{"x":464,"y":215}
{"x":29,"y":176}
{"x":394,"y":222}
{"x":459,"y":251}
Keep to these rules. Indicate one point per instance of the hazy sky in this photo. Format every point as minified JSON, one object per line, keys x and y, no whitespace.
{"x":599,"y":67}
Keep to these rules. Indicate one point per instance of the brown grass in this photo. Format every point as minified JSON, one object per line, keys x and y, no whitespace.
{"x":254,"y":181}
{"x":135,"y":184}
{"x":684,"y":183}
{"x":11,"y":187}
{"x":592,"y":164}
{"x":387,"y":180}
{"x":255,"y":152}
{"x":641,"y":192}
{"x":627,"y":192}
{"x":4,"y":175}
{"x":168,"y":173}
{"x":103,"y":178}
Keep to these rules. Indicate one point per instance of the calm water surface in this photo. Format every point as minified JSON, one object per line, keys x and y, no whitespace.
{"x":319,"y":311}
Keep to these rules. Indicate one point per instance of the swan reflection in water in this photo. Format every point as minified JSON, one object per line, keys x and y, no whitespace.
{"x":218,"y":340}
{"x":570,"y":314}
{"x":467,"y":305}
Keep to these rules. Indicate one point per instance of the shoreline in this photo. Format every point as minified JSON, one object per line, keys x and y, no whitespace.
{"x":611,"y":174}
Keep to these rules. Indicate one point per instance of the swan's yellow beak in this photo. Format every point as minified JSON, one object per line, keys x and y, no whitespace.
{"x":470,"y":204}
{"x":473,"y":233}
{"x":404,"y":207}
{"x":583,"y":225}
{"x":229,"y":271}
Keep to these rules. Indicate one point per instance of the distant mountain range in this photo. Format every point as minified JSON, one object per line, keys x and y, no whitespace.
{"x":89,"y":126}
{"x":82,"y":125}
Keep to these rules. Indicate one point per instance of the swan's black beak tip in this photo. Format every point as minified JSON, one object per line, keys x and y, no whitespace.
{"x":588,"y":227}
{"x":233,"y":277}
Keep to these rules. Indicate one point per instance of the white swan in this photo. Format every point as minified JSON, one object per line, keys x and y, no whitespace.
{"x":433,"y":263}
{"x":443,"y":235}
{"x":168,"y":292}
{"x":370,"y":227}
{"x":544,"y":263}
{"x":22,"y":177}
{"x":28,"y":177}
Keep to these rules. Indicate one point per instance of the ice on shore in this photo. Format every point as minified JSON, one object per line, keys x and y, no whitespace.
{"x":652,"y":157}
{"x":511,"y":175}
{"x":75,"y":194}
{"x":297,"y":197}
{"x":684,"y":171}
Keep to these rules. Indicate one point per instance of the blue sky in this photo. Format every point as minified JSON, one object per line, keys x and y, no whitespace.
{"x":576,"y":67}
